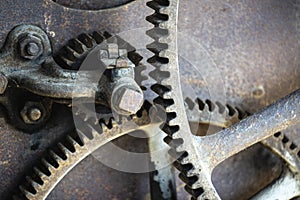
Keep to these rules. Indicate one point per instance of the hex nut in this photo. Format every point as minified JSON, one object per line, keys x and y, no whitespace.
{"x":32,"y":113}
{"x":31,"y":47}
{"x":126,"y":100}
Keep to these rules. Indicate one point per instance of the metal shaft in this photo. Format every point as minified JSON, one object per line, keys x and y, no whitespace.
{"x":274,"y":118}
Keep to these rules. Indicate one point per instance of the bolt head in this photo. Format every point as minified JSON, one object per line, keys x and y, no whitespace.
{"x":127,"y":101}
{"x":31,"y":47}
{"x":32,"y":113}
{"x":35,"y":114}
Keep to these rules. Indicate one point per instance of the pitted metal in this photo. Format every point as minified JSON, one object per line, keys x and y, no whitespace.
{"x":170,"y":97}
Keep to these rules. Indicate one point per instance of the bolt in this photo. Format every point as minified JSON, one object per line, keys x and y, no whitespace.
{"x":127,"y":100}
{"x":34,"y":114}
{"x":31,"y":47}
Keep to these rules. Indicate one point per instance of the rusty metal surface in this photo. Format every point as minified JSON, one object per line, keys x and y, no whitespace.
{"x":254,"y":45}
{"x":19,"y":151}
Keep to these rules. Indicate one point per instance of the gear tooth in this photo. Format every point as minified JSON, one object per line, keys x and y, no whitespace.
{"x":74,"y":144}
{"x":40,"y":174}
{"x":76,"y":45}
{"x":94,"y":131}
{"x":48,"y":166}
{"x":221,"y":108}
{"x":72,"y":53}
{"x":57,"y":158}
{"x":83,"y":137}
{"x":157,"y":33}
{"x":211,"y":105}
{"x":80,"y":44}
{"x":140,"y":77}
{"x":188,"y":180}
{"x":206,"y":109}
{"x":98,"y":37}
{"x":33,"y":183}
{"x":86,"y":40}
{"x":65,"y":150}
{"x":235,"y":114}
{"x":157,"y":19}
{"x":288,"y":143}
{"x":189,"y":103}
{"x":114,"y":123}
{"x":196,"y":193}
{"x":157,"y":47}
{"x":65,"y":61}
{"x":26,"y":193}
{"x":231,"y":110}
{"x":104,"y":127}
{"x":184,"y":161}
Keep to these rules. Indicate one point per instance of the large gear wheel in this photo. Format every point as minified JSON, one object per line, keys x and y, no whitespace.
{"x":75,"y":148}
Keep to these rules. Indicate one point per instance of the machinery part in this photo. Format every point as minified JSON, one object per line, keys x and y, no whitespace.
{"x":220,"y":146}
{"x":39,"y":73}
{"x":223,"y":116}
{"x":127,"y":97}
{"x":163,"y":89}
{"x":198,"y":155}
{"x":23,"y":108}
{"x":33,"y":112}
{"x":75,"y":149}
{"x":166,"y":74}
{"x":31,"y":47}
{"x":27,"y":63}
{"x":273,"y":119}
{"x":72,"y":55}
{"x":69,"y":153}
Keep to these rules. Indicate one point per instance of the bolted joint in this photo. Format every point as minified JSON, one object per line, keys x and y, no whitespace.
{"x":33,"y":112}
{"x":127,"y":98}
{"x":31,"y":47}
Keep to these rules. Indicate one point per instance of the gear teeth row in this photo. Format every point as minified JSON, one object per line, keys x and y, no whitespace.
{"x":72,"y":55}
{"x":165,"y":74}
{"x":209,"y":112}
{"x":227,"y":115}
{"x":42,"y":180}
{"x":285,"y":148}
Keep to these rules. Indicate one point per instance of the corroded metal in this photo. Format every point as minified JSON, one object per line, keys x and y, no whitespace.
{"x":234,"y":73}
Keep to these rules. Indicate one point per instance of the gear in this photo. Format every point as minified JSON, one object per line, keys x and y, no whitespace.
{"x":66,"y":155}
{"x":72,"y":55}
{"x":166,"y":74}
{"x":207,"y":112}
{"x":76,"y":147}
